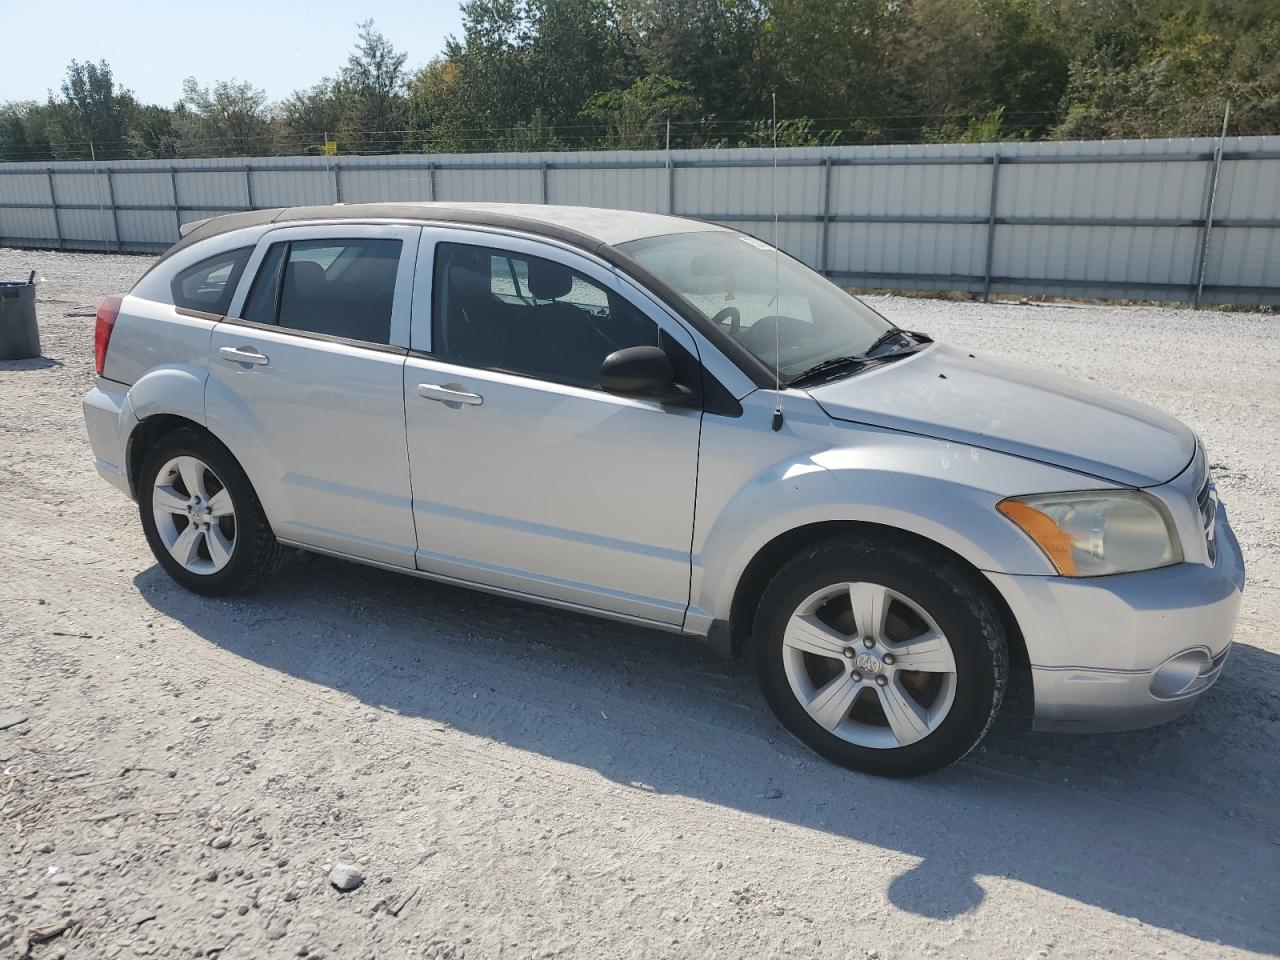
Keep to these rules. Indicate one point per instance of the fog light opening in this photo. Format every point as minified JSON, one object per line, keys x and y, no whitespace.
{"x":1180,"y":673}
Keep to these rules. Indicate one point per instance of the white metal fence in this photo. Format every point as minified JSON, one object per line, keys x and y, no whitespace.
{"x":1189,"y":219}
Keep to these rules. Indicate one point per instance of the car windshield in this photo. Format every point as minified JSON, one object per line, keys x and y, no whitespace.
{"x":797,"y":318}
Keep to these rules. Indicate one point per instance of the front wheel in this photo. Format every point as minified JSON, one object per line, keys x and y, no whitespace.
{"x":885,"y":658}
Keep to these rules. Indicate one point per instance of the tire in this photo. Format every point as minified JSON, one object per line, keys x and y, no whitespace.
{"x":226,"y":552}
{"x":939,"y":712}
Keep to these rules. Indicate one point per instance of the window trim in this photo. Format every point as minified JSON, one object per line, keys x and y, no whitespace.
{"x":522,"y":248}
{"x":402,"y":298}
{"x":279,"y":281}
{"x":199,"y":314}
{"x":311,"y":335}
{"x":722,"y":375}
{"x":609,"y":291}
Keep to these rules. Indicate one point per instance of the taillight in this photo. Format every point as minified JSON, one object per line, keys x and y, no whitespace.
{"x":108,"y":310}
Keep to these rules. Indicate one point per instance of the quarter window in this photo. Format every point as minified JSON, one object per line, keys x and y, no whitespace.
{"x":339,"y":288}
{"x":528,"y":315}
{"x":209,"y":285}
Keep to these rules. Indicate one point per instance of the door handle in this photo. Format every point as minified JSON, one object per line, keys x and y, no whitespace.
{"x":449,"y":394}
{"x":243,"y":355}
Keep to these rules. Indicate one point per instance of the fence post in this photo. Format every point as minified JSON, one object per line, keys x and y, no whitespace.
{"x":248,"y":185}
{"x":544,"y":181}
{"x":115,"y":215}
{"x":177,"y":211}
{"x":1211,"y":195}
{"x":671,"y":176}
{"x":991,"y":226}
{"x":431,"y":181}
{"x":53,"y":201}
{"x":826,"y":213}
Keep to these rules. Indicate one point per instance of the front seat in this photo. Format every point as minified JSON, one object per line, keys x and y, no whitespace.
{"x":304,"y":297}
{"x":569,"y":345}
{"x":473,"y":329}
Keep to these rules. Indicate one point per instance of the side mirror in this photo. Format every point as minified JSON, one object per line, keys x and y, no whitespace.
{"x":643,"y":372}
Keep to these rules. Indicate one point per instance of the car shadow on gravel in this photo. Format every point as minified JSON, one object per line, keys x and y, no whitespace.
{"x":1156,"y":825}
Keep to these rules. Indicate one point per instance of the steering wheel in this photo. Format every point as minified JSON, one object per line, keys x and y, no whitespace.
{"x":733,"y":315}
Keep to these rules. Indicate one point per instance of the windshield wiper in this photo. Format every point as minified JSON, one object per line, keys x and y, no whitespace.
{"x":827,"y":366}
{"x":908,"y":338}
{"x":895,"y":334}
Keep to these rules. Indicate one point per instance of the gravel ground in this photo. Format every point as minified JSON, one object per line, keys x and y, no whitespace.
{"x":512,"y":781}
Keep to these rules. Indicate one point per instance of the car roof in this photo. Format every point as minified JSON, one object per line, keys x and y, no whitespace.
{"x":587,"y":227}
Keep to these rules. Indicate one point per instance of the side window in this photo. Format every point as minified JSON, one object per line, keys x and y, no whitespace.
{"x":210,"y":284}
{"x":341,"y":288}
{"x":528,"y":315}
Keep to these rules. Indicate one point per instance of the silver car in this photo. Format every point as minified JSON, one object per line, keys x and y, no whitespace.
{"x":665,"y":422}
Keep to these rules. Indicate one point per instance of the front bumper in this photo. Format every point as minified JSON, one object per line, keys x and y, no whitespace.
{"x":104,"y":412}
{"x":1127,"y":651}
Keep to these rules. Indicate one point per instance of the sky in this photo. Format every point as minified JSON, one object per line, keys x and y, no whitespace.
{"x":277,"y":45}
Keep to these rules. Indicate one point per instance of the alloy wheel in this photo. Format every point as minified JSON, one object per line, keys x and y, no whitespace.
{"x":194,"y":515}
{"x":869,"y":665}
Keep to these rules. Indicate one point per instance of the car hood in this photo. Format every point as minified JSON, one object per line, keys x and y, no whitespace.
{"x":949,"y":394}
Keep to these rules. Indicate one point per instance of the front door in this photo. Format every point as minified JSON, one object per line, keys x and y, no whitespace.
{"x":306,"y":385}
{"x":527,"y":476}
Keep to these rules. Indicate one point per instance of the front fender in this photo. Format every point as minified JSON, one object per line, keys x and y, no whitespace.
{"x":942,"y":491}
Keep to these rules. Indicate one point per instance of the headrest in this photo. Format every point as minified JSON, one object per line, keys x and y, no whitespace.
{"x":306,"y":278}
{"x":549,"y":281}
{"x":469,"y":274}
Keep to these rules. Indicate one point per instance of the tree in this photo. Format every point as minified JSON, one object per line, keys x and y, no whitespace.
{"x":24,"y":132}
{"x":710,"y":45}
{"x":90,"y":117}
{"x":151,"y":132}
{"x":828,"y":59}
{"x":369,"y":91}
{"x":636,"y":118}
{"x":574,"y":51}
{"x":310,"y":117}
{"x":228,"y":120}
{"x":491,"y":87}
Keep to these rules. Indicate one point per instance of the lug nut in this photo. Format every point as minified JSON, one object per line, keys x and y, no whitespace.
{"x":882,"y":679}
{"x":889,"y":659}
{"x":849,"y":653}
{"x":857,"y":677}
{"x":868,"y":643}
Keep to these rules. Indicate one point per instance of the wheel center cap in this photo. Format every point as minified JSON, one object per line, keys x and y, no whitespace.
{"x":868,"y":663}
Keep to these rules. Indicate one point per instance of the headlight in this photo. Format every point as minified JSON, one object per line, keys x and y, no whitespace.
{"x":1092,"y":534}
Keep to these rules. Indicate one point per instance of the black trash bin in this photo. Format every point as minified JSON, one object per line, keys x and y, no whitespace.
{"x":19,"y":335}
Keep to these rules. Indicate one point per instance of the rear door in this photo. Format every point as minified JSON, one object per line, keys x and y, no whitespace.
{"x":526,"y":475}
{"x":306,"y":385}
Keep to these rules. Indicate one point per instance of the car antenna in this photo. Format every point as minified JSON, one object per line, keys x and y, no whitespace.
{"x":777,"y":281}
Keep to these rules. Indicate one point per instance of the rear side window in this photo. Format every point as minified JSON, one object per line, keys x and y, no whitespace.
{"x":339,"y":288}
{"x":209,"y":285}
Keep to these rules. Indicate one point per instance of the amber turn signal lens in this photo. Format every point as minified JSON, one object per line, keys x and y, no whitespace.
{"x":1041,"y":528}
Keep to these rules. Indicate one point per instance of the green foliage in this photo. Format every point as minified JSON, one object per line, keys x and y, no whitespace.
{"x":530,"y":75}
{"x":368,"y":94}
{"x":227,"y":120}
{"x":636,"y":118}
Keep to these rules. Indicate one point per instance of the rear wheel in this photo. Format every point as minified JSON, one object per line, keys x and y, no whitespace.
{"x":885,"y":658}
{"x":201,"y":516}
